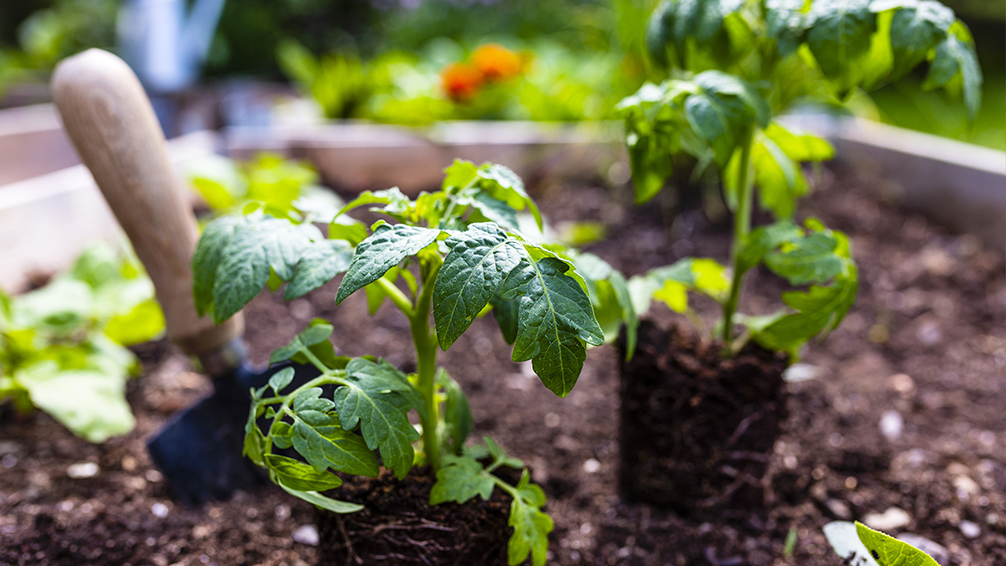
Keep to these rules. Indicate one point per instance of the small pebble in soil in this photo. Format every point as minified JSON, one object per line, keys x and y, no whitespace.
{"x":306,"y":534}
{"x":969,"y":529}
{"x":892,"y":518}
{"x":801,"y":372}
{"x":839,"y":508}
{"x":552,"y":420}
{"x":901,"y":383}
{"x":282,"y":512}
{"x":9,"y":461}
{"x":128,"y":463}
{"x":891,"y":425}
{"x":159,"y":510}
{"x":939,"y":552}
{"x":82,"y":470}
{"x":591,"y":466}
{"x":153,"y":476}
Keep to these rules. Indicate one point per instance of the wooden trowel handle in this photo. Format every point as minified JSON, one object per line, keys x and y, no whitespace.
{"x":112,"y":124}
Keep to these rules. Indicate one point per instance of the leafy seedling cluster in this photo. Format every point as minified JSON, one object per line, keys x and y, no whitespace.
{"x":62,"y":347}
{"x":456,"y":254}
{"x":736,"y":66}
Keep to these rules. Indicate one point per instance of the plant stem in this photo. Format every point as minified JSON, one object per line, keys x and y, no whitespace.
{"x":742,"y":227}
{"x":426,"y":360}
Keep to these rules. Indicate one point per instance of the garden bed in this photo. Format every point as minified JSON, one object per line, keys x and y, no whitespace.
{"x":924,"y":347}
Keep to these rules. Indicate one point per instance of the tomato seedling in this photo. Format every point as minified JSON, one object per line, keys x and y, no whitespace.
{"x":737,"y":65}
{"x":457,"y":254}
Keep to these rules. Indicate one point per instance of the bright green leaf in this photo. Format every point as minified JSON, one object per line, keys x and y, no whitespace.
{"x":299,"y":476}
{"x":889,"y":551}
{"x":320,"y":262}
{"x":460,"y":479}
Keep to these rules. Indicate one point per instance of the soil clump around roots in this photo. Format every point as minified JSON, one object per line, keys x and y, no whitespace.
{"x":697,"y":428}
{"x":399,"y":526}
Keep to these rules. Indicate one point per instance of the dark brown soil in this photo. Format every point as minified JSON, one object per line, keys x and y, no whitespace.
{"x":697,"y":429}
{"x":926,"y":341}
{"x":398,"y":526}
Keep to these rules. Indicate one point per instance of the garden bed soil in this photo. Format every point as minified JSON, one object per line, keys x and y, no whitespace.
{"x":921,"y":356}
{"x":696,"y":429}
{"x":399,"y":526}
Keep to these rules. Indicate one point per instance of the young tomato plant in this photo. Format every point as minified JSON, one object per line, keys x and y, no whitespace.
{"x":736,"y":66}
{"x":455,"y":254}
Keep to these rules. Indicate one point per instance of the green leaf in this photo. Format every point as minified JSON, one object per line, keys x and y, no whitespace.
{"x":254,"y":248}
{"x":299,"y":476}
{"x":779,"y":179}
{"x":955,"y":62}
{"x":889,"y":551}
{"x":555,"y":320}
{"x":530,"y":525}
{"x":394,"y":201}
{"x":480,"y":259}
{"x":347,"y":229}
{"x":207,"y":257}
{"x":723,"y":109}
{"x":330,"y":446}
{"x":494,"y":210}
{"x":763,"y":240}
{"x":819,"y":309}
{"x":373,"y":399}
{"x":281,"y":379}
{"x":810,"y":259}
{"x":384,"y":249}
{"x":319,"y":264}
{"x":91,"y":403}
{"x":315,"y":334}
{"x":503,"y":184}
{"x":506,"y":312}
{"x":322,"y":502}
{"x":145,"y":322}
{"x":915,"y":30}
{"x":798,"y":145}
{"x":839,"y":37}
{"x":459,"y":175}
{"x":457,"y":412}
{"x":460,"y":479}
{"x":785,"y":21}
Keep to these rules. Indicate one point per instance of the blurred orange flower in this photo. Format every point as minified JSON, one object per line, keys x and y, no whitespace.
{"x":496,"y":62}
{"x":461,"y":81}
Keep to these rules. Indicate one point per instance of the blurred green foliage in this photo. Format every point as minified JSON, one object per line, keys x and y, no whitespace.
{"x":62,"y":347}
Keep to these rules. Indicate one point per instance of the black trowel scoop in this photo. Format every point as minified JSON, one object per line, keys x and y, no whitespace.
{"x":111,"y":123}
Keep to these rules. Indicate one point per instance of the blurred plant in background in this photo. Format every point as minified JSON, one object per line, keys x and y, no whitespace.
{"x":62,"y":347}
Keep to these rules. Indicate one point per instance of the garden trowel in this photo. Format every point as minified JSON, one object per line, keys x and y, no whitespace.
{"x":111,"y":123}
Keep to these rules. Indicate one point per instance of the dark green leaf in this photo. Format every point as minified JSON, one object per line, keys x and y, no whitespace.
{"x":503,"y":184}
{"x":763,"y":240}
{"x":319,"y":264}
{"x":374,"y":400}
{"x":329,"y":446}
{"x":260,"y":246}
{"x":956,"y":57}
{"x":457,"y":412}
{"x":785,"y":22}
{"x":207,"y":256}
{"x":480,"y":259}
{"x":839,"y":37}
{"x":505,"y":312}
{"x":495,"y":210}
{"x":723,"y":110}
{"x":297,"y":475}
{"x":915,"y":30}
{"x":384,"y":249}
{"x":555,"y":320}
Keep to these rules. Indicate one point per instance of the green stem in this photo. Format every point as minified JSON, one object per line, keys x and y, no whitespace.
{"x":397,"y":296}
{"x":426,"y":360}
{"x":742,"y":227}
